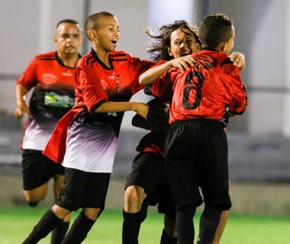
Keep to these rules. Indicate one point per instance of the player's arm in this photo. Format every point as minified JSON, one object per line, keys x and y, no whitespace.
{"x":152,"y":74}
{"x":110,"y":107}
{"x":22,"y":108}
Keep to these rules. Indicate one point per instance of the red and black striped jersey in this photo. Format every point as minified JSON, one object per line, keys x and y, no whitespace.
{"x":211,"y":89}
{"x":53,"y":95}
{"x":95,"y":84}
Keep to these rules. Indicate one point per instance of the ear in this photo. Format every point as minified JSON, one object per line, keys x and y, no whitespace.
{"x":169,"y":51}
{"x":221,"y":47}
{"x":91,"y":34}
{"x":198,"y":47}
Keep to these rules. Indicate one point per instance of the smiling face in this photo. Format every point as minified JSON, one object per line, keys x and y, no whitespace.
{"x":106,"y":34}
{"x":182,"y":43}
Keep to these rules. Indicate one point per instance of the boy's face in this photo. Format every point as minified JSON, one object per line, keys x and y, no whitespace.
{"x":231,"y":42}
{"x":107,"y":33}
{"x":182,"y":43}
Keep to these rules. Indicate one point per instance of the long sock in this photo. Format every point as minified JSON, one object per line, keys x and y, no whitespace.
{"x":209,"y":222}
{"x":131,"y":225}
{"x":45,"y":225}
{"x":79,"y":230}
{"x":184,"y":225}
{"x":59,"y":232}
{"x":166,"y":239}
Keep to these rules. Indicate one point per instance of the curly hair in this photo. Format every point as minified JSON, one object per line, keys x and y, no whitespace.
{"x":158,"y":48}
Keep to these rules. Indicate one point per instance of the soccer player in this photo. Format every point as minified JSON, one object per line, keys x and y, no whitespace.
{"x":146,"y":184}
{"x":85,"y":138}
{"x":196,"y":148}
{"x":51,"y":76}
{"x":174,"y":40}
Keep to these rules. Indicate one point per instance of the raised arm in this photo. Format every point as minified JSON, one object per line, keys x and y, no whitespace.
{"x":152,"y":74}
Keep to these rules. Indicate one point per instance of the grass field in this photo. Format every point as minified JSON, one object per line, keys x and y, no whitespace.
{"x":16,"y":223}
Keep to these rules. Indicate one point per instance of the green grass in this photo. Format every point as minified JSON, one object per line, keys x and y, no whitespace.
{"x":17,"y":222}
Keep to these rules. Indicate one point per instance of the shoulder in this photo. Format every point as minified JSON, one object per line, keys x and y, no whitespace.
{"x":122,"y":56}
{"x":46,"y":56}
{"x":86,"y":60}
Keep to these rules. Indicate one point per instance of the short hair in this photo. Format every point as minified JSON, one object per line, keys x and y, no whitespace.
{"x":215,"y":29}
{"x":159,"y":46}
{"x":70,"y":21}
{"x":92,"y":21}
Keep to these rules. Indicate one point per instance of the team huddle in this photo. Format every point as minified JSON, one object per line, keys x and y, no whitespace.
{"x":74,"y":118}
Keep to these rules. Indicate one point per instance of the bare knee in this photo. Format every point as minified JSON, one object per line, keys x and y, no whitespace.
{"x":34,"y":196}
{"x":134,"y":198}
{"x":60,"y":212}
{"x":92,"y":213}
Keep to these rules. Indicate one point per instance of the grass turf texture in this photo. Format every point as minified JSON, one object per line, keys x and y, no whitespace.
{"x":17,"y":222}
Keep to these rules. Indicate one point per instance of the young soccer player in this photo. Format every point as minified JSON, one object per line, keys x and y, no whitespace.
{"x":88,"y":134}
{"x":51,"y":76}
{"x":146,"y":184}
{"x":171,"y":43}
{"x":196,"y":148}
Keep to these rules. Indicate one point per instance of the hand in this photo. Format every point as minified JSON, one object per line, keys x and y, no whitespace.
{"x":238,"y":59}
{"x":21,"y":110}
{"x":141,"y":108}
{"x":183,"y":63}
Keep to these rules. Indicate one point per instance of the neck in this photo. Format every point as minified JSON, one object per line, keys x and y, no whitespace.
{"x":103,"y":55}
{"x":69,"y":60}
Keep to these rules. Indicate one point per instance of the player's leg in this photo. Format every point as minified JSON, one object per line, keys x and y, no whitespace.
{"x":141,"y":182}
{"x":47,"y":223}
{"x":134,"y":213}
{"x":82,"y":225}
{"x":69,"y":200}
{"x":185,"y":224}
{"x":169,"y":235}
{"x":34,"y":196}
{"x":221,"y":227}
{"x":214,"y":184}
{"x":208,"y":224}
{"x":36,"y":172}
{"x":95,"y":192}
{"x":167,"y":207}
{"x":60,"y":230}
{"x":222,"y":224}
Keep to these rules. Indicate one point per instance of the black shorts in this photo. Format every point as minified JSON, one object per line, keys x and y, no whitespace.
{"x":197,"y":158}
{"x":37,"y":169}
{"x":83,"y":190}
{"x":148,"y":173}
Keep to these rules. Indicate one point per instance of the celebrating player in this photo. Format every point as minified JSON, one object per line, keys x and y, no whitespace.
{"x":87,"y":135}
{"x":196,"y":148}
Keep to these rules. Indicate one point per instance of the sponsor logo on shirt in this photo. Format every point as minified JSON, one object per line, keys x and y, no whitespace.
{"x":49,"y":78}
{"x":67,"y":73}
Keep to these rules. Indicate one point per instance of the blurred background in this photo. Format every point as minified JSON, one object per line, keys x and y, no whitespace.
{"x":259,"y":142}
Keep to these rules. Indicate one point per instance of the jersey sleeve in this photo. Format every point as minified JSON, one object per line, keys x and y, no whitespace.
{"x":137,"y":68}
{"x":162,"y":87}
{"x":28,"y":77}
